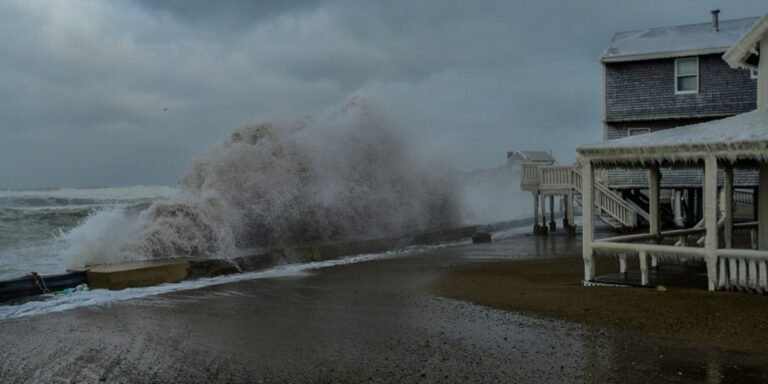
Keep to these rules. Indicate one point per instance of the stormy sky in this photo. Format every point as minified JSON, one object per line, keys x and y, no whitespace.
{"x":97,"y":93}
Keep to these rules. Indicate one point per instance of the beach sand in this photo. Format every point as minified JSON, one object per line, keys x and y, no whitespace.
{"x":403,"y":319}
{"x":551,"y":288}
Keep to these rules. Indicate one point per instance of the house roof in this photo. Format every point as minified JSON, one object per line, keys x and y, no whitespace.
{"x":742,"y":53}
{"x":531,"y":156}
{"x":743,"y":136}
{"x":676,"y":41}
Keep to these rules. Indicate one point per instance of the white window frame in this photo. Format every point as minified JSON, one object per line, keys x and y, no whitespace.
{"x":693,"y":91}
{"x":638,"y":131}
{"x":753,"y":74}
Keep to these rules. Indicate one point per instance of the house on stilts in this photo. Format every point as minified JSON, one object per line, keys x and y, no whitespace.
{"x":654,"y":80}
{"x":718,"y":150}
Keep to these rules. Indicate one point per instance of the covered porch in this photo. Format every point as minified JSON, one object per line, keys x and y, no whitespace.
{"x":719,"y":148}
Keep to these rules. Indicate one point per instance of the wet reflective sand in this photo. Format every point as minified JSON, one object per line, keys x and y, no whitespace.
{"x":378,"y":321}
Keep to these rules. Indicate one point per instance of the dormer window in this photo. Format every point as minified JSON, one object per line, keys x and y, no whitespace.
{"x":753,"y":74}
{"x":687,"y":75}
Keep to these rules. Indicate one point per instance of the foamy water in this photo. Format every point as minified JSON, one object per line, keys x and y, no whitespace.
{"x":33,"y":223}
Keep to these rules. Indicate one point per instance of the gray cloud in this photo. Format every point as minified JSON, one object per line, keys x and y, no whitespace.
{"x":85,"y":83}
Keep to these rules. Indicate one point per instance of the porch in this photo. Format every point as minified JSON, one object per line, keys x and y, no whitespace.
{"x":734,"y":144}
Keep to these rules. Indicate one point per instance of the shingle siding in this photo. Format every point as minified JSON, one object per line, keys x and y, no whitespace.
{"x":645,"y":90}
{"x":618,"y":130}
{"x":677,"y":178}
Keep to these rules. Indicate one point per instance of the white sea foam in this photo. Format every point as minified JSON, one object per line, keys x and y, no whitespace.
{"x":106,"y":232}
{"x":343,"y":174}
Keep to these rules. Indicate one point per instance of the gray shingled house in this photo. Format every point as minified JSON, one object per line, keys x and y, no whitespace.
{"x":660,"y":78}
{"x":657,"y":79}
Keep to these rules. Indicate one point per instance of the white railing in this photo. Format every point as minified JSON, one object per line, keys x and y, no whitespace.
{"x":742,"y":197}
{"x":530,"y":175}
{"x":549,"y":178}
{"x":740,"y":269}
{"x":743,"y":269}
{"x":556,"y":177}
{"x":608,"y":202}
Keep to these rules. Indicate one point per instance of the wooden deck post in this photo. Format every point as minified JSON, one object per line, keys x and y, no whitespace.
{"x":588,"y":208}
{"x":710,"y":219}
{"x":654,"y":178}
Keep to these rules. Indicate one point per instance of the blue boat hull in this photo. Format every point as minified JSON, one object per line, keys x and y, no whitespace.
{"x":27,"y":286}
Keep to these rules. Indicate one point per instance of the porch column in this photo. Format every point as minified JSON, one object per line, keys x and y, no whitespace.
{"x":654,"y":178}
{"x":728,"y":205}
{"x":569,"y":211}
{"x":543,"y":207}
{"x":690,"y":211}
{"x":761,"y":200}
{"x":726,"y":210}
{"x":710,"y":219}
{"x":762,"y":209}
{"x":677,"y":207}
{"x":588,"y":208}
{"x":552,"y":224}
{"x":535,"y":212}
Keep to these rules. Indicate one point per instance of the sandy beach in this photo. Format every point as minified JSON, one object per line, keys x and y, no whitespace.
{"x":509,"y":311}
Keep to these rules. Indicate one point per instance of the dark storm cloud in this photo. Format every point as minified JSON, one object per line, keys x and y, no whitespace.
{"x":129,"y":92}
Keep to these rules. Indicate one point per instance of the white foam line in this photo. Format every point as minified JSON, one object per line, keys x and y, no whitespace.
{"x":105,"y":297}
{"x":511,"y":232}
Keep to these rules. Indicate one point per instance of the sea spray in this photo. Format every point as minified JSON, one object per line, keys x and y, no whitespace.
{"x":343,"y":174}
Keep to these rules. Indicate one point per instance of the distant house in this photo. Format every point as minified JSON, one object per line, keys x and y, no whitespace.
{"x":530,"y":157}
{"x":666,"y":77}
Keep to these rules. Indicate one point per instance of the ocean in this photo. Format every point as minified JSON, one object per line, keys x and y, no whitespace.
{"x":34,"y":223}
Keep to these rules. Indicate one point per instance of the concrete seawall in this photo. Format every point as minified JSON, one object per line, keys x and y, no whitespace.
{"x":167,"y":271}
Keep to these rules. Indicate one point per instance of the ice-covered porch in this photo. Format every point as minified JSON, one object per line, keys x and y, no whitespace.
{"x":739,"y":142}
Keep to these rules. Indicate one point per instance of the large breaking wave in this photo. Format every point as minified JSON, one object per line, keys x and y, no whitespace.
{"x":346,"y":173}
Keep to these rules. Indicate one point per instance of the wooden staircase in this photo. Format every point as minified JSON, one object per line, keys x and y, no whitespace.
{"x":610,"y":207}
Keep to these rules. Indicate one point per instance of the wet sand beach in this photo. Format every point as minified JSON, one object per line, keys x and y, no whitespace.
{"x":435,"y":316}
{"x":551,"y":288}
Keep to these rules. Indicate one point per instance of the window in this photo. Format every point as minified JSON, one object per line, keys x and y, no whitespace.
{"x":753,"y":74}
{"x":638,"y":131}
{"x":687,"y":75}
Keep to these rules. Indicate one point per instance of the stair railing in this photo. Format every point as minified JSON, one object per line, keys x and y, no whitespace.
{"x":608,"y":202}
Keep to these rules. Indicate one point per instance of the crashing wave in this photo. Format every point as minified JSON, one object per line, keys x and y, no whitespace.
{"x":345,"y":174}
